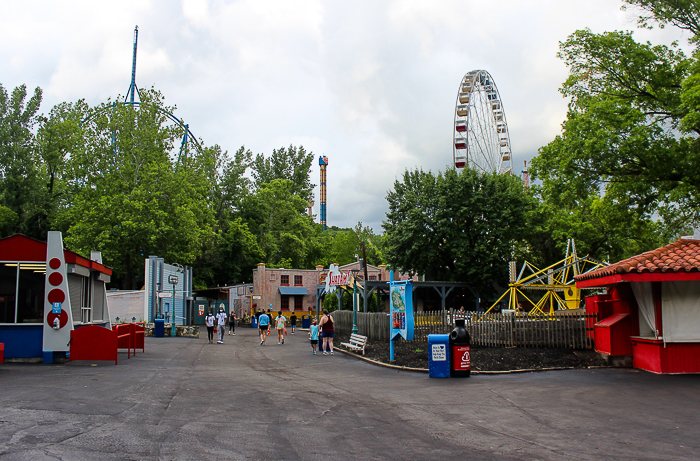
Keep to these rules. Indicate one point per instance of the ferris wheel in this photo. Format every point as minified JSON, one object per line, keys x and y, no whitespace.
{"x":481,"y":139}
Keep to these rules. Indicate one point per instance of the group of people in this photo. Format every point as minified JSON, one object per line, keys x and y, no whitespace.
{"x":219,"y":320}
{"x":264,"y":321}
{"x":323,"y":329}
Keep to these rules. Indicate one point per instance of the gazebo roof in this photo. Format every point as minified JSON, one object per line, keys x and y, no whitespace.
{"x":679,"y":260}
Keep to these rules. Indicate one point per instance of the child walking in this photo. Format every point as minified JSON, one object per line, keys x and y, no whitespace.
{"x":313,"y":335}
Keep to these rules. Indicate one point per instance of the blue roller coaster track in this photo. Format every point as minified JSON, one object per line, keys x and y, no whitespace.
{"x":132,"y":100}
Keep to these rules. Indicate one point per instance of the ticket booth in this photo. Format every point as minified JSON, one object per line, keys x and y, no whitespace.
{"x":45,"y":292}
{"x":650,"y":312}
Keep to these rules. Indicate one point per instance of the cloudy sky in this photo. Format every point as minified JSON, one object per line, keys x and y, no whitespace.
{"x":370,"y":84}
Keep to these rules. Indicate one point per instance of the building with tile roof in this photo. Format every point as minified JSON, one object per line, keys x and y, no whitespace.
{"x":650,"y":312}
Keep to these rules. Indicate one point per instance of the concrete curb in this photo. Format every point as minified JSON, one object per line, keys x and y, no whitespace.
{"x":474,"y":372}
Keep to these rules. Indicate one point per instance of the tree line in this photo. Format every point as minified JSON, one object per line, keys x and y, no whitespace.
{"x":622,"y":178}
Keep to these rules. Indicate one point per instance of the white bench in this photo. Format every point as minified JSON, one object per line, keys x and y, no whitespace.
{"x":357,"y":343}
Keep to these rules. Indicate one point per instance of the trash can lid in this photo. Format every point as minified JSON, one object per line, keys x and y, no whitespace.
{"x":435,"y":338}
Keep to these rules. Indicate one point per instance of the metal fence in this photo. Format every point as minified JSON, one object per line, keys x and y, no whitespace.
{"x":565,"y":329}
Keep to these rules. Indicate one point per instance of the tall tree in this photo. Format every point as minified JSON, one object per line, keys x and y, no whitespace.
{"x":630,"y":131}
{"x":20,"y":175}
{"x":456,"y":226}
{"x":277,"y":217}
{"x":130,"y":196}
{"x":292,"y":163}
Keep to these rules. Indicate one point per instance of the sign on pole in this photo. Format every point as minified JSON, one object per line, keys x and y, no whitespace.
{"x":172,"y":279}
{"x":401,"y":304}
{"x":165,"y":294}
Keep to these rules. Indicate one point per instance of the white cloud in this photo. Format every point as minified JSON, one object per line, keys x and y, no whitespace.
{"x":370,"y":84}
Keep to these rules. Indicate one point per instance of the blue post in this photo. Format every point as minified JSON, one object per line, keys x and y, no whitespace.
{"x":391,"y":350}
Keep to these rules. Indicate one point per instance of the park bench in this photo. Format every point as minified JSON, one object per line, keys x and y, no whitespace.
{"x":357,"y":343}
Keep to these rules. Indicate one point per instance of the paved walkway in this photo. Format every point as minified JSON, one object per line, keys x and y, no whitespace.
{"x":186,"y":399}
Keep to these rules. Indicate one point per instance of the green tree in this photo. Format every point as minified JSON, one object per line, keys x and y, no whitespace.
{"x":456,"y":226}
{"x":20,"y":175}
{"x":277,"y":217}
{"x":631,"y":130}
{"x":292,"y":163}
{"x":130,"y":197}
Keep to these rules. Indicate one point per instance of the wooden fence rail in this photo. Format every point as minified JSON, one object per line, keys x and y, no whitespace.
{"x":564,"y":329}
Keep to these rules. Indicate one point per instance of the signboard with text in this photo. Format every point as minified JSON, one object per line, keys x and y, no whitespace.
{"x":401,"y":309}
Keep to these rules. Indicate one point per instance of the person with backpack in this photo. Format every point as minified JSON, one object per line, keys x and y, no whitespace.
{"x":209,"y":322}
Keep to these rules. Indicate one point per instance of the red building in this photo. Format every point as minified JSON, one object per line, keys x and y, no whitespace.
{"x":651,"y":311}
{"x":45,"y":292}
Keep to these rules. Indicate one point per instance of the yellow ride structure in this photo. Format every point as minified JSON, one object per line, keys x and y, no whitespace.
{"x":555,"y":280}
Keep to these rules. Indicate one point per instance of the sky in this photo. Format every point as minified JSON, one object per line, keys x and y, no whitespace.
{"x":369,"y":84}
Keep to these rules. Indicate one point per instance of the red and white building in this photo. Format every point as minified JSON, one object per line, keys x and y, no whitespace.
{"x":45,"y":292}
{"x":651,"y":311}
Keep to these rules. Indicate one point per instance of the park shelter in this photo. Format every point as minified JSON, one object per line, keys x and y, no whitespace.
{"x":40,"y":282}
{"x":651,"y":310}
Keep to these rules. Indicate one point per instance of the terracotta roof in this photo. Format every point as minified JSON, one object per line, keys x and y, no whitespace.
{"x":680,"y":256}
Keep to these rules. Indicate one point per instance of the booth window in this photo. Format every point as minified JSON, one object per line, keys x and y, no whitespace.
{"x":8,"y":291}
{"x":297,"y":280}
{"x":298,"y":303}
{"x":284,"y":280}
{"x":30,"y":293}
{"x":285,"y":302}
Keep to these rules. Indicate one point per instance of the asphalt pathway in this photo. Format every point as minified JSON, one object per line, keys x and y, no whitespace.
{"x":187,"y":399}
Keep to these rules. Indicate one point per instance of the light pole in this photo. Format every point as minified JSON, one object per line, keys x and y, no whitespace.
{"x":174,"y":279}
{"x":354,"y":300}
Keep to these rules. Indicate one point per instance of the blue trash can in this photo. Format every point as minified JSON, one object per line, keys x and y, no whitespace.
{"x":439,"y":356}
{"x":306,"y":321}
{"x":253,"y":322}
{"x":159,"y":328}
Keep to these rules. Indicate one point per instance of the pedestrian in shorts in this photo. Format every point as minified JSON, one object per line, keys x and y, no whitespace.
{"x":293,"y":321}
{"x":313,"y":335}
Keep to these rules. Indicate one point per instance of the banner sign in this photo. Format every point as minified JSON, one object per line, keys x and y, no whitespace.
{"x":335,"y":278}
{"x":401,"y":309}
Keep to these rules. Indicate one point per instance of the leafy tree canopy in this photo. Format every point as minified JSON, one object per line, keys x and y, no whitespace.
{"x":292,"y":163}
{"x":456,"y":226}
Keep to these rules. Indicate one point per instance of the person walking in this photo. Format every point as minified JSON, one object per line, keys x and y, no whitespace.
{"x":209,"y":322}
{"x":279,"y":325}
{"x":269,"y":314}
{"x":232,"y":323}
{"x":313,"y":335}
{"x":327,"y":332}
{"x":263,"y":325}
{"x":221,"y":325}
{"x":293,"y":321}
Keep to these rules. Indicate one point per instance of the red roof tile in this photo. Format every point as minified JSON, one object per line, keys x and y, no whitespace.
{"x":680,"y":256}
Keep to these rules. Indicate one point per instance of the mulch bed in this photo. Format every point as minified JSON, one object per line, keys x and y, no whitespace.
{"x":415,"y":355}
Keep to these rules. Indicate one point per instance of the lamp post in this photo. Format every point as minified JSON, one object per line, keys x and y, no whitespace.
{"x":174,"y":279}
{"x":354,"y":300}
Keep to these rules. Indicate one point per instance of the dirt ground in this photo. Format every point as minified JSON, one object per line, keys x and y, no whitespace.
{"x":415,"y":355}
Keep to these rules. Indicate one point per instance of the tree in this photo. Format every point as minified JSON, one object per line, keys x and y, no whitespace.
{"x":20,"y":176}
{"x":291,"y":163}
{"x":277,"y":217}
{"x":129,"y":196}
{"x":456,"y":226}
{"x":632,"y":127}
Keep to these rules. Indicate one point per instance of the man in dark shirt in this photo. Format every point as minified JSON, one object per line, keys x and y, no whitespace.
{"x":293,"y":321}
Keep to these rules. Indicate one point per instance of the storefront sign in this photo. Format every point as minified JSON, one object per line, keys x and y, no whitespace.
{"x":336,"y":278}
{"x":401,"y":303}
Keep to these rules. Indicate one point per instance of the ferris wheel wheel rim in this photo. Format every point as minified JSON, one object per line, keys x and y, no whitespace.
{"x":502,"y":163}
